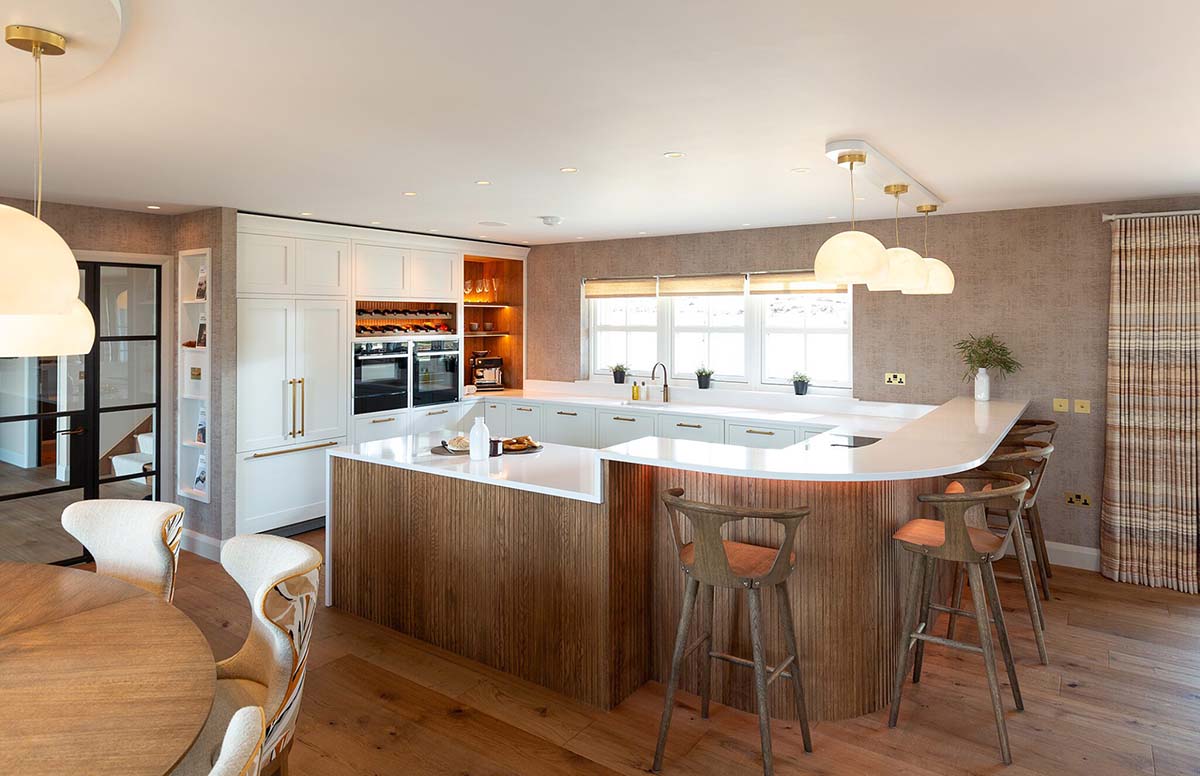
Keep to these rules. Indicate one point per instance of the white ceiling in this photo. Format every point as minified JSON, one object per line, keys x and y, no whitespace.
{"x":339,"y":108}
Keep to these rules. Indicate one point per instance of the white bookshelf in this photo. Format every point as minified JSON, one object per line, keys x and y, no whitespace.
{"x":194,"y":380}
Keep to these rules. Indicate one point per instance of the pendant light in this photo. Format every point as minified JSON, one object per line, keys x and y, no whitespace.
{"x":941,"y":277}
{"x":904,"y":268}
{"x":851,"y":256}
{"x":40,"y":310}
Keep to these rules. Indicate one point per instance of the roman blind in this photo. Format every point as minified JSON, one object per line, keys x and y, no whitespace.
{"x":791,"y":283}
{"x":620,"y":287}
{"x":701,"y":285}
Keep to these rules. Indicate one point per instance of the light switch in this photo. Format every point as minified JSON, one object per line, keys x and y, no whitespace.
{"x":1083,"y":406}
{"x":1062,"y":405}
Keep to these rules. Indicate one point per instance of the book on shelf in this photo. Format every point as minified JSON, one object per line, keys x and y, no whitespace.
{"x":202,"y":284}
{"x":200,"y":483}
{"x":202,"y":332}
{"x":202,"y":426}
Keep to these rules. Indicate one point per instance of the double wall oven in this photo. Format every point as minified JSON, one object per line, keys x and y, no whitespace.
{"x":399,"y":375}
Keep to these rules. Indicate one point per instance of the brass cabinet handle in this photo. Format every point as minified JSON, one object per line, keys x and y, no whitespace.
{"x":569,"y":414}
{"x":436,"y":412}
{"x":524,"y":409}
{"x":295,"y":450}
{"x":624,"y":420}
{"x":383,"y":420}
{"x":493,"y":406}
{"x":761,"y":433}
{"x":292,"y":383}
{"x":689,"y":425}
{"x":303,"y":395}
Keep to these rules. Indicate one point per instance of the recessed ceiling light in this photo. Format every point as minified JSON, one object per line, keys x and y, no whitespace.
{"x":801,"y":170}
{"x":745,"y":224}
{"x":153,"y":207}
{"x":831,"y":217}
{"x":492,"y":223}
{"x":859,"y":199}
{"x":641,"y":232}
{"x":305,"y":213}
{"x":375,"y":223}
{"x":410,"y":193}
{"x":525,"y":241}
{"x":568,"y":169}
{"x":483,"y":183}
{"x":435,"y":230}
{"x":483,"y":237}
{"x":674,"y":154}
{"x":578,"y":238}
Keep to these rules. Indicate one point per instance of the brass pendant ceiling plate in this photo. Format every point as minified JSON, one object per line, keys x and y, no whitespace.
{"x":927,"y":208}
{"x":895,"y":189}
{"x":852,"y":157}
{"x":27,"y":38}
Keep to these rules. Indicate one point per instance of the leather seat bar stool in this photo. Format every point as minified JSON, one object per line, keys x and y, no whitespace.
{"x":961,"y":537}
{"x":710,"y":561}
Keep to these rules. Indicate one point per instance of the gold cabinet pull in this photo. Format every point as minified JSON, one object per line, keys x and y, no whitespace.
{"x":624,"y":420}
{"x":383,"y":420}
{"x":303,"y":394}
{"x":292,"y":383}
{"x":294,"y":450}
{"x":436,"y":412}
{"x":569,"y":414}
{"x":524,"y":409}
{"x":761,"y":433}
{"x":689,"y":425}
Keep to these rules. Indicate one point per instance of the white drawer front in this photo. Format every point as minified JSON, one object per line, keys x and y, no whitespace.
{"x":569,"y":424}
{"x":525,"y":420}
{"x":495,"y":414}
{"x":369,"y":428}
{"x":691,"y":427}
{"x":613,"y":428}
{"x":760,"y":435}
{"x":263,"y":504}
{"x":444,"y":418}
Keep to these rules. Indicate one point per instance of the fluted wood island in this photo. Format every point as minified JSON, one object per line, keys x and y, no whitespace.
{"x":558,"y":567}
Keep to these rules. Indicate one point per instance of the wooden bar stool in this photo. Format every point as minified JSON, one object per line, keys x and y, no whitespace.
{"x":711,"y":561}
{"x":1043,"y":430}
{"x":1032,"y":427}
{"x":1026,"y":459}
{"x":961,"y":536}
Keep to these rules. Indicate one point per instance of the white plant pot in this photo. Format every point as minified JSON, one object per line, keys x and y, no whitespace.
{"x":983,"y":386}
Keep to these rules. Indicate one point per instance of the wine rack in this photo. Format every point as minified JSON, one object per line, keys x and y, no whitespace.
{"x":398,"y":319}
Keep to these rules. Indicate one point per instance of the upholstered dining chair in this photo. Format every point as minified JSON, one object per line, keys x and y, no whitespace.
{"x":280,"y":578}
{"x":134,"y":541}
{"x":241,"y":750}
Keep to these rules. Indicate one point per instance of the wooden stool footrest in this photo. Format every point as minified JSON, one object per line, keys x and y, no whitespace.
{"x":775,"y":673}
{"x":952,"y":610}
{"x":946,"y":642}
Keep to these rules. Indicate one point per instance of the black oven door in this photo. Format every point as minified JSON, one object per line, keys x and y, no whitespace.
{"x":435,"y":378}
{"x":380,"y":382}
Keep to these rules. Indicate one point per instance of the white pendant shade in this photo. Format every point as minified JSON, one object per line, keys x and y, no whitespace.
{"x":850,"y":257}
{"x":941,"y":279}
{"x":63,"y":334}
{"x":905,"y":269}
{"x":38,"y":272}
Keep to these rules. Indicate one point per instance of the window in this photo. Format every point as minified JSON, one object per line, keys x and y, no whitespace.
{"x":709,"y":331}
{"x":807,"y":333}
{"x":625,"y":331}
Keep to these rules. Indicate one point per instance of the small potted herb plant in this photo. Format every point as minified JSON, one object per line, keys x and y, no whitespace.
{"x":618,"y":371}
{"x":704,"y":376}
{"x":800,"y":383}
{"x":980,"y":354}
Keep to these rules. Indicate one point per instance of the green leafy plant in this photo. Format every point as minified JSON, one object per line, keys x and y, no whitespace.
{"x":800,"y":377}
{"x":986,"y":352}
{"x":704,"y":371}
{"x":619,"y":368}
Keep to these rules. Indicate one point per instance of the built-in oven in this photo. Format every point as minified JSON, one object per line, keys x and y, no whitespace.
{"x":380,"y":376}
{"x":436,"y":377}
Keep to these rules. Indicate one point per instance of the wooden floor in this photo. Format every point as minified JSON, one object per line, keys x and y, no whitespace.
{"x":1121,"y":696}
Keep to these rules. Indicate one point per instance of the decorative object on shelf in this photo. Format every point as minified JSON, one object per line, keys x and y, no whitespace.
{"x":40,"y":312}
{"x":703,"y":376}
{"x":904,"y":268}
{"x":200,"y":482}
{"x":851,"y":256}
{"x":800,"y":383}
{"x":618,"y":372}
{"x":202,"y":284}
{"x":489,"y":326}
{"x":980,"y":354}
{"x":202,"y":426}
{"x":202,"y":332}
{"x":940,"y":279}
{"x":473,"y":326}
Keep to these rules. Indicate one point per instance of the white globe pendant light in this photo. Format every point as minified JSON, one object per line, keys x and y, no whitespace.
{"x":904,"y":267}
{"x":851,"y":256}
{"x":40,"y":310}
{"x":941,"y":278}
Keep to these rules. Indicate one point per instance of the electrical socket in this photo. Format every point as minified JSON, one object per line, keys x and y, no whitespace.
{"x":1062,"y":405}
{"x":1083,"y":406}
{"x":1078,"y":500}
{"x":893,"y":378}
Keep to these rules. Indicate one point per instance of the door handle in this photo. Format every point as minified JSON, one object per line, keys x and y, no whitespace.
{"x":303,"y":413}
{"x":383,"y":420}
{"x":71,"y":431}
{"x":292,"y":383}
{"x":568,"y":414}
{"x":761,"y":433}
{"x":523,"y":409}
{"x":689,"y":425}
{"x":293,"y":450}
{"x":436,"y":412}
{"x":624,"y":420}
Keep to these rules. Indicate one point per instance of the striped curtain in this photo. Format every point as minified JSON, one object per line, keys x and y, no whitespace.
{"x":1150,"y":518}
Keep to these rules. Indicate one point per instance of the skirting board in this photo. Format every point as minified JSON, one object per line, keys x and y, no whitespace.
{"x":203,"y":545}
{"x":1072,"y":556}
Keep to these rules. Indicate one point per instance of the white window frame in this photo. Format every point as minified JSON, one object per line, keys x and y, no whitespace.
{"x":596,"y":327}
{"x":764,"y":331}
{"x":745,"y":330}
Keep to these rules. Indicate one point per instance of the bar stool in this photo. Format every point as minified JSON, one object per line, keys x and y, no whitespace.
{"x":961,"y":537}
{"x":1000,"y":461}
{"x":710,"y":561}
{"x":1032,"y":427}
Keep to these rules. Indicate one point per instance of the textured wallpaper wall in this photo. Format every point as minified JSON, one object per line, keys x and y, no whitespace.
{"x":1038,"y":278}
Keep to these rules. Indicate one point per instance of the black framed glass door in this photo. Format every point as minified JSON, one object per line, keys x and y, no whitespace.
{"x":82,"y":427}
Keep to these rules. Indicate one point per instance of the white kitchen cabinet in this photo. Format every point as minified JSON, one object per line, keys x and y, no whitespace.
{"x":265,"y":264}
{"x":470,"y":411}
{"x":569,"y":424}
{"x":322,"y":358}
{"x":615,"y":427}
{"x":266,"y":370}
{"x":449,"y":418}
{"x":379,"y":271}
{"x":701,"y":429}
{"x":322,"y":267}
{"x":380,"y":425}
{"x":761,"y":435}
{"x":433,"y":275}
{"x":276,"y":488}
{"x":525,"y":419}
{"x":495,"y":415}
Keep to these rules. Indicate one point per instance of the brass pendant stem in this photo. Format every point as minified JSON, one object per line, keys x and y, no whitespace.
{"x":37,"y":90}
{"x":852,"y":200}
{"x":897,"y":221}
{"x":927,"y":233}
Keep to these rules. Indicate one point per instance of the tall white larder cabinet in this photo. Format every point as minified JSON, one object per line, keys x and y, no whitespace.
{"x":293,"y":381}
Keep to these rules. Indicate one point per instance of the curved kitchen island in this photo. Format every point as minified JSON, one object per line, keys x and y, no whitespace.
{"x":558,"y":567}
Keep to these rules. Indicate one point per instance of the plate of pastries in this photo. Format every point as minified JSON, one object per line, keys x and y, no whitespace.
{"x":521,"y":444}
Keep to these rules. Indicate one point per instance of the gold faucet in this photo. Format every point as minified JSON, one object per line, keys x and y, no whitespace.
{"x":666,"y":388}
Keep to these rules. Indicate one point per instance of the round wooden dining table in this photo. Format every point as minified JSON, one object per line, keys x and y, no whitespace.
{"x":97,"y":676}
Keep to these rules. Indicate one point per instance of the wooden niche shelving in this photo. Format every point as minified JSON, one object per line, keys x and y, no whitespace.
{"x":497,"y":297}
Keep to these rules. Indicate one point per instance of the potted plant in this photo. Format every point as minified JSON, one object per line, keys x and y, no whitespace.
{"x":704,"y":376}
{"x":618,"y":371}
{"x":980,"y":354}
{"x":800,"y":383}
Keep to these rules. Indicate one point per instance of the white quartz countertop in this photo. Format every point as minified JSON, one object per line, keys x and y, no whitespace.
{"x":557,"y":470}
{"x":956,"y":436}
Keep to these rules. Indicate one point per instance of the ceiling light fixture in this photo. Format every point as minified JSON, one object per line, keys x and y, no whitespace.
{"x":40,"y":310}
{"x":153,"y":207}
{"x":305,"y":213}
{"x":410,"y":193}
{"x":941,"y":278}
{"x":483,"y":183}
{"x":851,"y":256}
{"x":801,"y":170}
{"x":904,"y":268}
{"x":674,"y":154}
{"x":376,"y":223}
{"x":568,"y":169}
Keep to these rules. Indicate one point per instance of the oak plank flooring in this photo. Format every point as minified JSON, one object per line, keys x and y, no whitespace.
{"x":1121,"y":696}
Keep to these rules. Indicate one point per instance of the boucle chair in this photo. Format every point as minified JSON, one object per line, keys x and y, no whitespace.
{"x":134,"y":541}
{"x":280,"y":578}
{"x":241,"y":751}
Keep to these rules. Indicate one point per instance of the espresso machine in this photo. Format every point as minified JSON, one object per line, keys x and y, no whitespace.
{"x":487,"y":372}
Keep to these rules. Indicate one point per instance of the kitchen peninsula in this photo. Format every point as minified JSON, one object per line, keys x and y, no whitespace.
{"x":557,"y":567}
